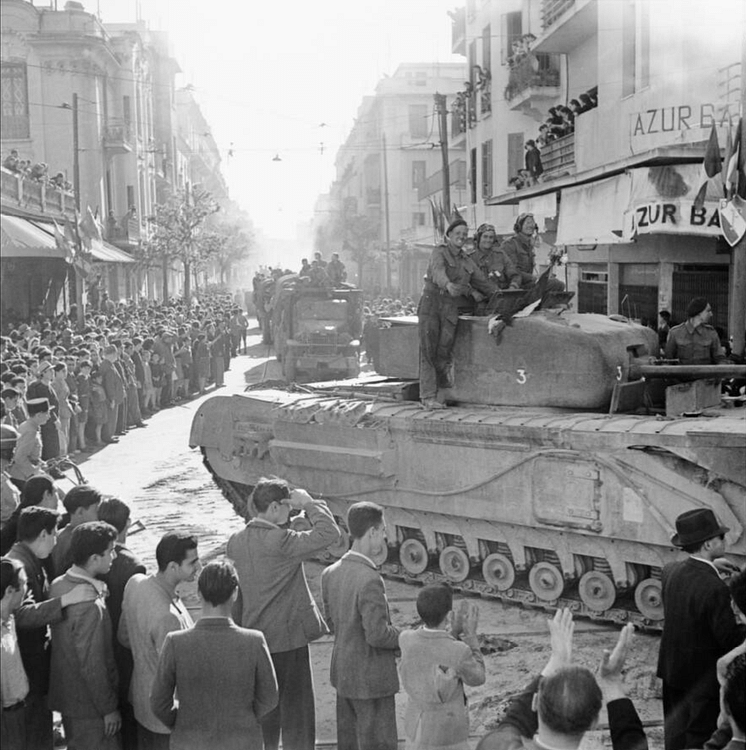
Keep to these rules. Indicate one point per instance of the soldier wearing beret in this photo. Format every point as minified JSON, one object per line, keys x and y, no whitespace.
{"x":695,"y":342}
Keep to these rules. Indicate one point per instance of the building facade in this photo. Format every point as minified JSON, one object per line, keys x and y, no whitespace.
{"x":618,"y":187}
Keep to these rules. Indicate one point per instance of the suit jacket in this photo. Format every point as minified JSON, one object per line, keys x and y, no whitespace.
{"x":112,"y":382}
{"x":520,"y":724}
{"x":433,"y":669}
{"x":33,"y":618}
{"x":83,"y":681}
{"x":225,"y":681}
{"x":699,"y":625}
{"x":275,"y":597}
{"x":365,"y":641}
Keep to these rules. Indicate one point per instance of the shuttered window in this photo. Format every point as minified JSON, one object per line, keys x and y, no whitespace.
{"x":487,"y":169}
{"x":515,"y":154}
{"x":15,"y":117}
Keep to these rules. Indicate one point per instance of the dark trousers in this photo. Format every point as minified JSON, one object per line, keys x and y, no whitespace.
{"x":366,"y":724}
{"x":50,"y":440}
{"x":438,"y":317}
{"x":295,"y":715}
{"x":39,"y":733}
{"x":147,"y":740}
{"x":689,"y":716}
{"x":133,"y":407}
{"x":110,"y":428}
{"x":13,"y":728}
{"x":88,"y":734}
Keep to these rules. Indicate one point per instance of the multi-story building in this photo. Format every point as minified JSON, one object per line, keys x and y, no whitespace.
{"x":390,"y":164}
{"x":618,"y":189}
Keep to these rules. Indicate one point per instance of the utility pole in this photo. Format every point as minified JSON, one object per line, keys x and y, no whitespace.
{"x":188,"y":258}
{"x":386,"y":210}
{"x":79,"y":288}
{"x":440,"y":108}
{"x":737,"y":312}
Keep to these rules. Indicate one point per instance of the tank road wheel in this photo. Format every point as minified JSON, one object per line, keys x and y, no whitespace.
{"x":546,"y":581}
{"x":498,"y":571}
{"x":413,"y":556}
{"x":454,"y":564}
{"x":597,"y":590}
{"x":649,"y":598}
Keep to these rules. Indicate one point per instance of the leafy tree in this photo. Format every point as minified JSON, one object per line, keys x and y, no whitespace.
{"x":176,"y":233}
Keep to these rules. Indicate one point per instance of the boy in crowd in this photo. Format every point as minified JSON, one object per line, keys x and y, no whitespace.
{"x":83,"y":681}
{"x":27,"y":455}
{"x":81,"y":503}
{"x":434,"y":668}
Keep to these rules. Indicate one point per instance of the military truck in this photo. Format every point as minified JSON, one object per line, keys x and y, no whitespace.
{"x":316,"y":330}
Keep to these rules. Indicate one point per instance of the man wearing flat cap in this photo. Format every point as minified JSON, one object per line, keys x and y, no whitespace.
{"x":453,"y":283}
{"x":699,"y":628}
{"x":695,"y":342}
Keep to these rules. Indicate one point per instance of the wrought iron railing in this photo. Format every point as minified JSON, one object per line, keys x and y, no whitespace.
{"x":551,"y":10}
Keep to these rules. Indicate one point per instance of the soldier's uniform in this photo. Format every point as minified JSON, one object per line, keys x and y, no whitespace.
{"x":438,"y":313}
{"x":521,"y":260}
{"x":692,"y":345}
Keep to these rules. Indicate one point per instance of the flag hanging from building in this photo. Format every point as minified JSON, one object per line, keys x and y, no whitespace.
{"x":733,"y":166}
{"x":711,"y":165}
{"x":63,"y":244}
{"x":89,"y":229}
{"x":733,"y":219}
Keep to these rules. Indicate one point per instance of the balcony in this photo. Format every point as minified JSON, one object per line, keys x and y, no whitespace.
{"x":33,"y":196}
{"x":533,"y":82}
{"x":566,"y":24}
{"x":125,"y":233}
{"x":118,"y":138}
{"x":434,"y":183}
{"x":458,"y":31}
{"x":373,"y":196}
{"x":558,"y":157}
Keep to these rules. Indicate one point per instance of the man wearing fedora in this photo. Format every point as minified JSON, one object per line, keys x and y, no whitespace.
{"x":699,"y":628}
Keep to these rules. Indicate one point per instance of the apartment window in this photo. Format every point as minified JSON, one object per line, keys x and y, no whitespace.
{"x":635,"y":47}
{"x":472,"y":59}
{"x":512,"y":31}
{"x":516,"y":158}
{"x":643,"y":36}
{"x":418,"y":219}
{"x":487,"y":48}
{"x":418,"y":173}
{"x":487,"y":169}
{"x":473,"y":174}
{"x":130,"y":196}
{"x":127,"y":110}
{"x":15,"y":118}
{"x":418,"y":120}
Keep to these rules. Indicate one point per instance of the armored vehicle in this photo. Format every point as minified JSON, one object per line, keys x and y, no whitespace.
{"x":534,"y":487}
{"x":315,"y":330}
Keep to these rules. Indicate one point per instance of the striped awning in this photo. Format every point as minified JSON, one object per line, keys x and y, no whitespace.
{"x":22,"y":239}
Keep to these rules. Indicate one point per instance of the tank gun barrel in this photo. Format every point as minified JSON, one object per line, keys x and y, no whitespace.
{"x":637,"y":371}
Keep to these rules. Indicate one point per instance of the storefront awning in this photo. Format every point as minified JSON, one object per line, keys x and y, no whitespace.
{"x":593,"y":214}
{"x":100,"y":250}
{"x":22,"y":239}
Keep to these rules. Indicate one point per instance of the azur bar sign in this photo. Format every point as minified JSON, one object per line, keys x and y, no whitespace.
{"x":683,"y":117}
{"x":672,"y":217}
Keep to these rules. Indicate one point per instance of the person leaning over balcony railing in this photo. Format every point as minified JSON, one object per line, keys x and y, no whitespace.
{"x":12,"y":162}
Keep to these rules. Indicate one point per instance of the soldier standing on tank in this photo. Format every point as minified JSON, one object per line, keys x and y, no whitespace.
{"x":453,"y":283}
{"x":519,"y":251}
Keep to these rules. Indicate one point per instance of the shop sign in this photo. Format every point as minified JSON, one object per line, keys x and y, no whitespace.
{"x":683,"y":117}
{"x":672,"y":217}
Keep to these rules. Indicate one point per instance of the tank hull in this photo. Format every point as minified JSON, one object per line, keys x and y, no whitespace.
{"x":533,"y":505}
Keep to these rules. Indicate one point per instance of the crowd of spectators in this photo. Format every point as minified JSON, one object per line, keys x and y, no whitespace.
{"x":37,"y":171}
{"x":127,"y":362}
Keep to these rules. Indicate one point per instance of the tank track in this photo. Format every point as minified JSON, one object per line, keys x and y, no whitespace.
{"x":519,"y":595}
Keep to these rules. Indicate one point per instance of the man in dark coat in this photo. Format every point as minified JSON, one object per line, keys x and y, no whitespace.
{"x":114,"y":388}
{"x":41,"y":388}
{"x":533,"y":161}
{"x":699,"y":628}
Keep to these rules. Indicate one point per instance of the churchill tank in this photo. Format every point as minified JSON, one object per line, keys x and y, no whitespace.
{"x":551,"y":480}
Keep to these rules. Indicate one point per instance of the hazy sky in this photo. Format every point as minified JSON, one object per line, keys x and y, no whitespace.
{"x":268,"y":74}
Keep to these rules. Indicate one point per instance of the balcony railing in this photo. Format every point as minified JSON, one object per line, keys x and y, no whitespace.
{"x":551,"y":10}
{"x":532,"y":71}
{"x":125,"y":232}
{"x":558,"y":156}
{"x":32,"y":195}
{"x":118,"y":138}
